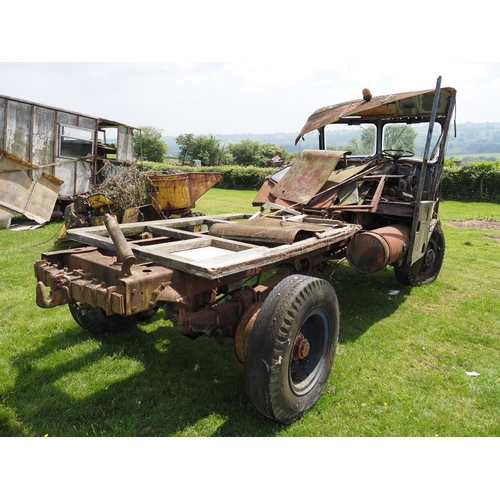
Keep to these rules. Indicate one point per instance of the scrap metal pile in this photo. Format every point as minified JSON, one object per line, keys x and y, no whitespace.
{"x":135,"y":196}
{"x":325,"y":184}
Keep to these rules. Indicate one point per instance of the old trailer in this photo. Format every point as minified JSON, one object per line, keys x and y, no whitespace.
{"x":76,"y":149}
{"x":251,"y":279}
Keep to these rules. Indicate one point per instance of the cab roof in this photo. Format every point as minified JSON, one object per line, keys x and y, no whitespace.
{"x":415,"y":105}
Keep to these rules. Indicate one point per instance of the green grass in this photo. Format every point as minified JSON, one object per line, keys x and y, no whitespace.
{"x":400,"y":369}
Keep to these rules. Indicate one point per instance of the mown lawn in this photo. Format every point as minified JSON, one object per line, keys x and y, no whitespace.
{"x":401,"y":369}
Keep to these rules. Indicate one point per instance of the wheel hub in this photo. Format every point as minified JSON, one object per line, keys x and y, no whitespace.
{"x":430,"y":256}
{"x":301,"y":347}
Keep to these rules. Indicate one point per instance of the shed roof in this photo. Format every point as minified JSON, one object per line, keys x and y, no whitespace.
{"x":102,"y":121}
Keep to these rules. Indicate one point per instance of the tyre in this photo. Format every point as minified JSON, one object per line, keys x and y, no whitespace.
{"x":291,"y":348}
{"x":95,"y":320}
{"x":430,"y":264}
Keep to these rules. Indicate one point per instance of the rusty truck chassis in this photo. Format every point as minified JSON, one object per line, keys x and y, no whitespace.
{"x":247,"y":279}
{"x":202,"y":296}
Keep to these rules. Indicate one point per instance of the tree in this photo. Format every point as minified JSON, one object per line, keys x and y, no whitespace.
{"x":399,"y":137}
{"x":367,"y":141}
{"x":353,"y":146}
{"x":207,"y":149}
{"x":186,"y":144}
{"x":248,"y":152}
{"x":269,"y":151}
{"x":245,"y":152}
{"x":150,"y":145}
{"x":362,"y":144}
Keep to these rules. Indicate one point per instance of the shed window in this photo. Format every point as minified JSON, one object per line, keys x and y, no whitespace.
{"x":75,"y":142}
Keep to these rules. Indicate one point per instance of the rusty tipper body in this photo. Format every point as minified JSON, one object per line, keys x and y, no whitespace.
{"x":247,"y":279}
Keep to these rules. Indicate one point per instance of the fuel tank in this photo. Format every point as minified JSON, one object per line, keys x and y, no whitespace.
{"x":370,"y":251}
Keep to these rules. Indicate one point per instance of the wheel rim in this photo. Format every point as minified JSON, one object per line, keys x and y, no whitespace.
{"x":308,"y":353}
{"x":430,"y":257}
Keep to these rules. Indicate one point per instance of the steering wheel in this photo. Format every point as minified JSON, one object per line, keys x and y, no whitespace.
{"x":395,"y":154}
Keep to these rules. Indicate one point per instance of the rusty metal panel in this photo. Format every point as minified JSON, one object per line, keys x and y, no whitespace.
{"x":2,"y":121}
{"x":65,"y":118}
{"x":201,"y":182}
{"x":264,"y":194}
{"x":386,"y":106}
{"x":341,"y":176}
{"x":76,"y":176}
{"x":17,"y":133}
{"x":125,"y":144}
{"x":308,"y":174}
{"x":175,"y":192}
{"x":20,"y":195}
{"x":267,"y":231}
{"x":43,"y":136}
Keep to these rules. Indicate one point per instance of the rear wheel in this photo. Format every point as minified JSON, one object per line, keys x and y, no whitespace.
{"x":95,"y":320}
{"x":430,"y":264}
{"x":291,"y":348}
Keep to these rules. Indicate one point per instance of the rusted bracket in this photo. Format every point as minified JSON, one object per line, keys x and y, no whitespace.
{"x":55,"y":298}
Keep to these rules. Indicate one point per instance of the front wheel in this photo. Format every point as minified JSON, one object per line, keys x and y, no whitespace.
{"x":291,"y":348}
{"x":430,"y":264}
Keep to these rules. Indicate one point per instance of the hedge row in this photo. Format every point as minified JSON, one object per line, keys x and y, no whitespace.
{"x":235,"y":177}
{"x":475,"y":182}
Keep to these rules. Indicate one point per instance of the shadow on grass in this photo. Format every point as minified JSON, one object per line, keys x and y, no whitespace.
{"x":365,"y":300}
{"x":181,"y":386}
{"x":182,"y":382}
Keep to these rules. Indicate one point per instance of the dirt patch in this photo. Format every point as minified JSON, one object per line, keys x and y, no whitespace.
{"x":493,"y":225}
{"x":476,"y":224}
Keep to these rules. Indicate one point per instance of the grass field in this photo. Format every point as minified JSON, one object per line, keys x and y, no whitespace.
{"x":401,"y":369}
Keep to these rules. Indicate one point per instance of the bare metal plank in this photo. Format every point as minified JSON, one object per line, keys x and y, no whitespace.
{"x":153,"y":226}
{"x":244,"y":260}
{"x":239,"y":256}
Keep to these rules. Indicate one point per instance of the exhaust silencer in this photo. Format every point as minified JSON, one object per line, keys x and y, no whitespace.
{"x":370,"y":251}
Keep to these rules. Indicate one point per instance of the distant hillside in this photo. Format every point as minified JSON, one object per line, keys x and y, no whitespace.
{"x":477,"y":140}
{"x":285,"y":140}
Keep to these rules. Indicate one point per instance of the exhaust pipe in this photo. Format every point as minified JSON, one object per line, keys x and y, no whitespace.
{"x":125,"y":255}
{"x":370,"y":251}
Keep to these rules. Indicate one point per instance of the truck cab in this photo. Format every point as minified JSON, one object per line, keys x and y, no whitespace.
{"x":379,"y":164}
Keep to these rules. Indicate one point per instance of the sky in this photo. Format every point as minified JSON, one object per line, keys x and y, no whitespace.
{"x":299,"y":57}
{"x":236,"y":97}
